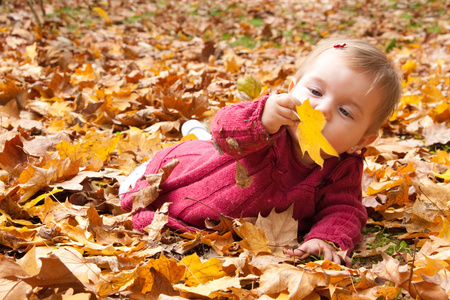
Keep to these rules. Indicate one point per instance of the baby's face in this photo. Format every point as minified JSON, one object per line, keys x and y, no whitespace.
{"x":341,"y":94}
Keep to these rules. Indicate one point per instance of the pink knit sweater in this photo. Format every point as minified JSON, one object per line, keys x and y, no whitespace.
{"x":327,"y":201}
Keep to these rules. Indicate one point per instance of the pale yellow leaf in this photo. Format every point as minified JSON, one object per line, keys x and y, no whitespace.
{"x":280,"y":229}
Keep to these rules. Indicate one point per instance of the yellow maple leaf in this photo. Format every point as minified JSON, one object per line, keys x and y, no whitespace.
{"x":66,"y":149}
{"x":212,"y":289}
{"x":309,"y":133}
{"x":409,"y":66}
{"x":101,"y":12}
{"x":445,"y":231}
{"x":198,"y":272}
{"x":445,"y":176}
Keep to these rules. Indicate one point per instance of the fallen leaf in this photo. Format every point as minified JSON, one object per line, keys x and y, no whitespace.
{"x":12,"y":156}
{"x":210,"y":288}
{"x":168,"y":268}
{"x":55,"y":274}
{"x":249,"y":85}
{"x":253,"y":238}
{"x":199,"y":273}
{"x":280,"y":229}
{"x":299,"y":283}
{"x":148,"y":194}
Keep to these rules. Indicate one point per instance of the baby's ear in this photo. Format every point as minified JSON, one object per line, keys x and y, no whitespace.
{"x":367,"y":140}
{"x":363,"y":142}
{"x":291,"y":85}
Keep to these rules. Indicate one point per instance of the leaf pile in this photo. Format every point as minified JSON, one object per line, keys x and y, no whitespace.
{"x":103,"y":85}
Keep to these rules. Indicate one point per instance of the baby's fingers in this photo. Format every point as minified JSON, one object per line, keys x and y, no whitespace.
{"x":289,"y":115}
{"x":331,"y":256}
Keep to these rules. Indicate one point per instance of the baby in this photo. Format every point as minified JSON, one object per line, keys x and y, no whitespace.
{"x":356,"y":88}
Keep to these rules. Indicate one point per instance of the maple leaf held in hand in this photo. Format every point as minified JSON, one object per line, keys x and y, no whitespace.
{"x":309,"y":133}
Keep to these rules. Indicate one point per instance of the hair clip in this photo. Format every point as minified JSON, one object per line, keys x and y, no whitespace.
{"x":339,"y":45}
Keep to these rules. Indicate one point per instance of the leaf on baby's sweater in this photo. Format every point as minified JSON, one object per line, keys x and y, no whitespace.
{"x":233,"y":144}
{"x":242,"y":178}
{"x":309,"y":133}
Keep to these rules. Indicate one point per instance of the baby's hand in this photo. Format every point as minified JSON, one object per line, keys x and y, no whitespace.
{"x":278,"y":111}
{"x":319,"y":247}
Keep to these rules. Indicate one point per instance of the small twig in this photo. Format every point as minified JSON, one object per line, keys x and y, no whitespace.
{"x":41,"y":4}
{"x":34,"y":13}
{"x":213,"y":209}
{"x":416,"y":240}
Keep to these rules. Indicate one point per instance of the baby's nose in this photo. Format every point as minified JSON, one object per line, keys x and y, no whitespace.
{"x":324,"y":108}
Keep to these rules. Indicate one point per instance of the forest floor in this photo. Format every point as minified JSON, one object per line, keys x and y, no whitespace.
{"x":97,"y":87}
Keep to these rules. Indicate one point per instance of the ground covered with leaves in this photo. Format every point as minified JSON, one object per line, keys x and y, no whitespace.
{"x":98,"y":87}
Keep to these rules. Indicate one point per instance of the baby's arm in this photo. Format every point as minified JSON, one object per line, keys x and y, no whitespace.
{"x":239,"y":129}
{"x":319,"y":247}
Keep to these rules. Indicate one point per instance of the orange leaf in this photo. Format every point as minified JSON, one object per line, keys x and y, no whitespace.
{"x":220,"y":243}
{"x":253,"y":238}
{"x":166,"y":267}
{"x":13,"y":158}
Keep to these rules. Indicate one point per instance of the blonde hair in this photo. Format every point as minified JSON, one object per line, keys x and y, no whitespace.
{"x":363,"y":56}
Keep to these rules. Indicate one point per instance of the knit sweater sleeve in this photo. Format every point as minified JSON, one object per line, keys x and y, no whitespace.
{"x":340,"y":214}
{"x":237,"y":129}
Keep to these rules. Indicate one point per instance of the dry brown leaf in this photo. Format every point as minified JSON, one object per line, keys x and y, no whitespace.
{"x":242,"y":178}
{"x":160,"y":220}
{"x":54,"y":273}
{"x":299,"y":283}
{"x":12,"y":156}
{"x":280,"y":229}
{"x":148,"y":194}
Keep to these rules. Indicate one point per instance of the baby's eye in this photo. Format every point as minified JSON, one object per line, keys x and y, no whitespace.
{"x":316,"y":93}
{"x":344,"y":112}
